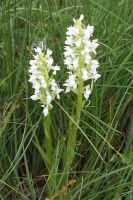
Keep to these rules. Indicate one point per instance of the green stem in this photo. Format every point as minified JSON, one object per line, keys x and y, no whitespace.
{"x":48,"y":140}
{"x":74,"y":127}
{"x":49,"y":153}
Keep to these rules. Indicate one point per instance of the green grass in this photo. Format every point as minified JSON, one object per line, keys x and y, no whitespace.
{"x":104,"y":161}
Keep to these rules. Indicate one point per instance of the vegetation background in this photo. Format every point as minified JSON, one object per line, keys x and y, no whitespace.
{"x":107,"y":121}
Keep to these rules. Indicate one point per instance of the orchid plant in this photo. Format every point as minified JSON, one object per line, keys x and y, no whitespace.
{"x":80,"y":53}
{"x":81,"y":65}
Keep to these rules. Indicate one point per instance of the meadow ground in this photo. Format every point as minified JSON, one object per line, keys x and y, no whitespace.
{"x":102,"y":171}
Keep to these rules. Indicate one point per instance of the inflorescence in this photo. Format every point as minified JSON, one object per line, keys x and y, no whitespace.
{"x":80,"y":51}
{"x":42,"y":73}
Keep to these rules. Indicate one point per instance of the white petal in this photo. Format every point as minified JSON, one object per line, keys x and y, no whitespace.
{"x":38,"y":49}
{"x":49,"y":52}
{"x":34,"y":97}
{"x":87,"y":92}
{"x":49,"y":99}
{"x":55,"y":69}
{"x":49,"y":62}
{"x":78,"y":43}
{"x":85,"y":74}
{"x":45,"y":111}
{"x":32,"y":62}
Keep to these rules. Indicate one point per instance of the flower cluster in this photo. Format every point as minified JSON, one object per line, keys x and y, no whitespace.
{"x":80,"y":51}
{"x":42,"y":71}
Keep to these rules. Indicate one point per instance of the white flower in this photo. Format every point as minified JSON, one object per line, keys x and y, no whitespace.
{"x":32,"y":62}
{"x":56,"y":88}
{"x":57,"y":92}
{"x":55,"y":69}
{"x":94,"y":45}
{"x":33,"y":69}
{"x":75,"y":63}
{"x":68,"y":61}
{"x":49,"y":98}
{"x":78,"y":43}
{"x":85,"y":74}
{"x":53,"y":85}
{"x":70,"y":83}
{"x":96,"y":63}
{"x":87,"y":59}
{"x":32,"y":78}
{"x":94,"y":66}
{"x":35,"y":97}
{"x":38,"y":50}
{"x":36,"y":85}
{"x":69,"y":51}
{"x":43,"y":83}
{"x":96,"y":76}
{"x":72,"y":31}
{"x":69,"y":41}
{"x":87,"y":92}
{"x":45,"y":111}
{"x":93,"y":70}
{"x":88,"y":32}
{"x":49,"y":61}
{"x":49,"y":52}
